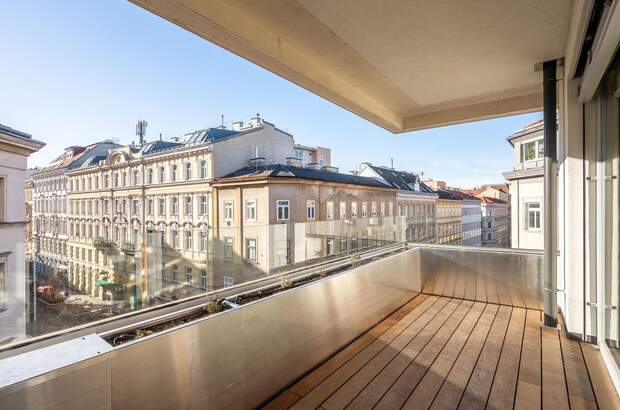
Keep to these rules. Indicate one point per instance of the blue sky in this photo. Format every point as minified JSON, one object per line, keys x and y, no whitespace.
{"x":75,"y":72}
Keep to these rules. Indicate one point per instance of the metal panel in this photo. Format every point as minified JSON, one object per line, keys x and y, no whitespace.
{"x":241,"y":358}
{"x":509,"y":277}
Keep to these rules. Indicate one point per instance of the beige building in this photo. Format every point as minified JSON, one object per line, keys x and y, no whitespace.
{"x":526,"y":187}
{"x":313,"y":156}
{"x":272,"y":216}
{"x":15,"y":147}
{"x":449,"y":219}
{"x":140,"y":218}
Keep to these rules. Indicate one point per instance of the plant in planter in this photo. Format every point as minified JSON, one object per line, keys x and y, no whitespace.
{"x":285,"y":283}
{"x":214,"y":306}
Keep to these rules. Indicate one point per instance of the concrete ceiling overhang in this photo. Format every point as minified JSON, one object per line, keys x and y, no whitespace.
{"x":404,"y":65}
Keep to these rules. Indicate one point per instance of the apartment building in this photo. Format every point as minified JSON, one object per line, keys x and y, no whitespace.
{"x":448,"y":220}
{"x":15,"y":147}
{"x":140,"y":217}
{"x":271,"y":216}
{"x":526,"y":187}
{"x":416,"y":203}
{"x":49,"y":206}
{"x":310,"y":156}
{"x":470,"y":217}
{"x":495,"y":222}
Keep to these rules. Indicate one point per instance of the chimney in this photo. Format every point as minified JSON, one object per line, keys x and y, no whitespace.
{"x":256,"y":121}
{"x":236,"y":126}
{"x":313,"y":165}
{"x":329,"y":168}
{"x":294,"y":162}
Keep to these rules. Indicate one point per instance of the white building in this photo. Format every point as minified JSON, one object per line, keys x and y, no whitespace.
{"x":416,"y":203}
{"x":526,"y":187}
{"x":470,"y":218}
{"x":16,"y":147}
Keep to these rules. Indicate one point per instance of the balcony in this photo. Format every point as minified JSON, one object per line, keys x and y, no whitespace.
{"x":430,"y":326}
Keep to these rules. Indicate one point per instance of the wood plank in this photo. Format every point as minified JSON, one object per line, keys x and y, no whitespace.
{"x":423,"y":313}
{"x":529,"y":384}
{"x":503,"y":294}
{"x":505,"y":381}
{"x":604,"y":391}
{"x":425,"y":391}
{"x":312,"y":379}
{"x":453,"y":387}
{"x":408,"y":347}
{"x":380,"y":385}
{"x":554,"y":393}
{"x":479,"y":386}
{"x":580,"y":393}
{"x":440,"y":283}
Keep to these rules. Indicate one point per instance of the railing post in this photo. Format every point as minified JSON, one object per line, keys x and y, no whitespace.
{"x":550,"y":196}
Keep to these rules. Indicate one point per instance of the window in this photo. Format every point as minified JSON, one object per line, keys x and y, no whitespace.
{"x":373,"y":209}
{"x":343,"y":210}
{"x":188,"y":205}
{"x":173,"y":173}
{"x":343,"y":244}
{"x":330,"y":210}
{"x":162,"y":174}
{"x":489,"y":236}
{"x":321,"y":161}
{"x":282,"y":210}
{"x":390,"y":209}
{"x":489,"y":224}
{"x":330,"y":246}
{"x":175,"y":273}
{"x":354,"y":209}
{"x":299,"y":154}
{"x":310,"y":209}
{"x":135,"y":206}
{"x":174,"y":201}
{"x":188,"y":170}
{"x":228,"y":248}
{"x":532,"y":214}
{"x":532,"y":150}
{"x":250,"y":209}
{"x":150,"y":176}
{"x":204,"y":280}
{"x":204,"y":205}
{"x":382,"y":208}
{"x":228,"y":281}
{"x":203,"y":169}
{"x":149,"y":206}
{"x":188,"y":276}
{"x":203,"y":241}
{"x":228,"y":210}
{"x":250,"y":249}
{"x":189,"y":238}
{"x":364,"y":210}
{"x":136,"y":177}
{"x":162,"y":206}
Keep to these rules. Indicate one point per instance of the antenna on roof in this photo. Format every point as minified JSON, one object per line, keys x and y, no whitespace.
{"x":222,"y":122}
{"x":392,"y":163}
{"x":160,"y":137}
{"x":141,"y":130}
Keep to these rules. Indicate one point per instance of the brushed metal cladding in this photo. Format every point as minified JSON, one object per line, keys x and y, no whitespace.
{"x":241,"y":358}
{"x":510,"y":277}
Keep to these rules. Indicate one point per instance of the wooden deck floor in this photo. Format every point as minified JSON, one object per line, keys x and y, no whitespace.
{"x":438,"y":352}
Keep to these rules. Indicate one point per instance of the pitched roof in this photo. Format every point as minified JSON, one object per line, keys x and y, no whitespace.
{"x":461,"y":195}
{"x":159,"y":145}
{"x":443,"y":194}
{"x":489,"y":200}
{"x":288,"y":171}
{"x":402,"y":180}
{"x":209,"y":134}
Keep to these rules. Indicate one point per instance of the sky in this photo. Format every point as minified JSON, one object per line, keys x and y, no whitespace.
{"x":76,"y":72}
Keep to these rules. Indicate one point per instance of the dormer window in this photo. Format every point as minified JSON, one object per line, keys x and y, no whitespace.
{"x":532,"y":150}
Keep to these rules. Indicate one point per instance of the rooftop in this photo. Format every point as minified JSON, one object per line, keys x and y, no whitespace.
{"x":292,"y":172}
{"x":402,"y":180}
